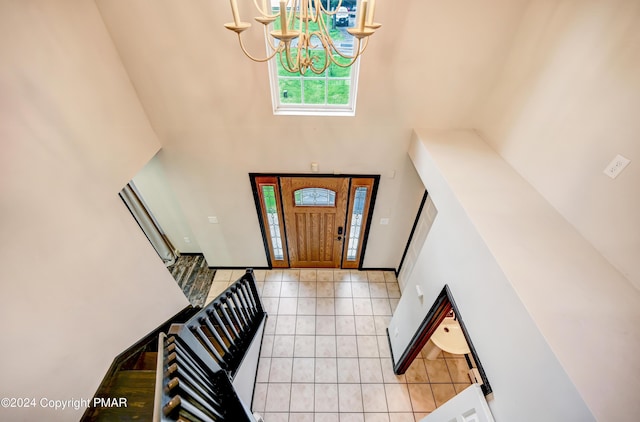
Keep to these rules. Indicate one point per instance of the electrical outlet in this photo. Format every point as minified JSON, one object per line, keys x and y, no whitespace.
{"x":616,"y":166}
{"x":187,"y":240}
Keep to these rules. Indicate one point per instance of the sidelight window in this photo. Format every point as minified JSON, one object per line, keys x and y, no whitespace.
{"x":357,"y":218}
{"x":269,"y":197}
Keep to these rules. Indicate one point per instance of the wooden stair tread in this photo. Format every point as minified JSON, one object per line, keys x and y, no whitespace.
{"x":138,"y":387}
{"x":146,"y":361}
{"x":134,"y":381}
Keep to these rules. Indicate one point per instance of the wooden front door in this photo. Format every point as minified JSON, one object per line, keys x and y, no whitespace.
{"x":315,"y":217}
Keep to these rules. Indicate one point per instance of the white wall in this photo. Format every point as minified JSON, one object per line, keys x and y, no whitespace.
{"x":212,"y":179}
{"x":564,"y":105}
{"x":537,"y":298}
{"x":80,"y":282}
{"x":153,"y":186}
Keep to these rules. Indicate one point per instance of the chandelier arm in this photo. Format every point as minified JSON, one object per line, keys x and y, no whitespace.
{"x":327,"y":12}
{"x":289,"y":66}
{"x":284,"y":65}
{"x":268,"y":38}
{"x":331,"y":46}
{"x":346,"y":56}
{"x":364,"y":47}
{"x":325,"y":66}
{"x":294,"y":4}
{"x":271,"y":44}
{"x":318,"y":70}
{"x":299,"y":49}
{"x":264,"y":12}
{"x":255,"y":59}
{"x":358,"y":51}
{"x":328,"y":58}
{"x":322,"y":25}
{"x":301,"y":15}
{"x":301,"y":59}
{"x":352,"y":60}
{"x":314,"y":17}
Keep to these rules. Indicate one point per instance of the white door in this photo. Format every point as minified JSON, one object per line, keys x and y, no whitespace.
{"x":468,"y":406}
{"x":425,"y":221}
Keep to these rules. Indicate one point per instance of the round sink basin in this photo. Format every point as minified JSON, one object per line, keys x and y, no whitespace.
{"x":449,"y":338}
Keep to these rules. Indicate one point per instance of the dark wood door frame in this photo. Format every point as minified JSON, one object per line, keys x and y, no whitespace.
{"x":264,"y":230}
{"x":439,"y":310}
{"x":413,"y":230}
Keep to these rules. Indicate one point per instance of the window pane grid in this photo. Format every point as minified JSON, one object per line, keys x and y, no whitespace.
{"x":331,"y":92}
{"x":356,"y":223}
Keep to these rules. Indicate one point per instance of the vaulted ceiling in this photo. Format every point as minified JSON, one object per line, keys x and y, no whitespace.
{"x":431,"y":64}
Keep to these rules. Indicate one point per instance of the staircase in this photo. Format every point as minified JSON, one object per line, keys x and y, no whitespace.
{"x":191,"y":390}
{"x":203,"y":369}
{"x":132,"y":375}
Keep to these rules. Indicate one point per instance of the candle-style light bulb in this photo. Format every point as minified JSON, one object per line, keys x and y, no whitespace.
{"x":283,"y":17}
{"x":372,"y":9}
{"x":234,"y":10}
{"x":363,"y":14}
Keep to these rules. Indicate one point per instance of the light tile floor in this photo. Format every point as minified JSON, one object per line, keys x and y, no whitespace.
{"x":325,"y":355}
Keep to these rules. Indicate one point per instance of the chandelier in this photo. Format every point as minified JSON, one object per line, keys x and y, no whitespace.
{"x":303,"y":42}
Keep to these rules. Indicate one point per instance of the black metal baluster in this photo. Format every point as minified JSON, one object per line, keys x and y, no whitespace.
{"x":182,"y":356}
{"x":190,"y":408}
{"x":184,"y":362}
{"x":190,"y":395}
{"x":208,"y":345}
{"x":225,"y":313}
{"x":244,"y":297}
{"x":216,"y":315}
{"x":175,"y":370}
{"x":216,"y":335}
{"x":255,"y":296}
{"x":239,"y":307}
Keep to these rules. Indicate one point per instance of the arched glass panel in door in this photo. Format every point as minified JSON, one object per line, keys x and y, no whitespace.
{"x":315,"y":197}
